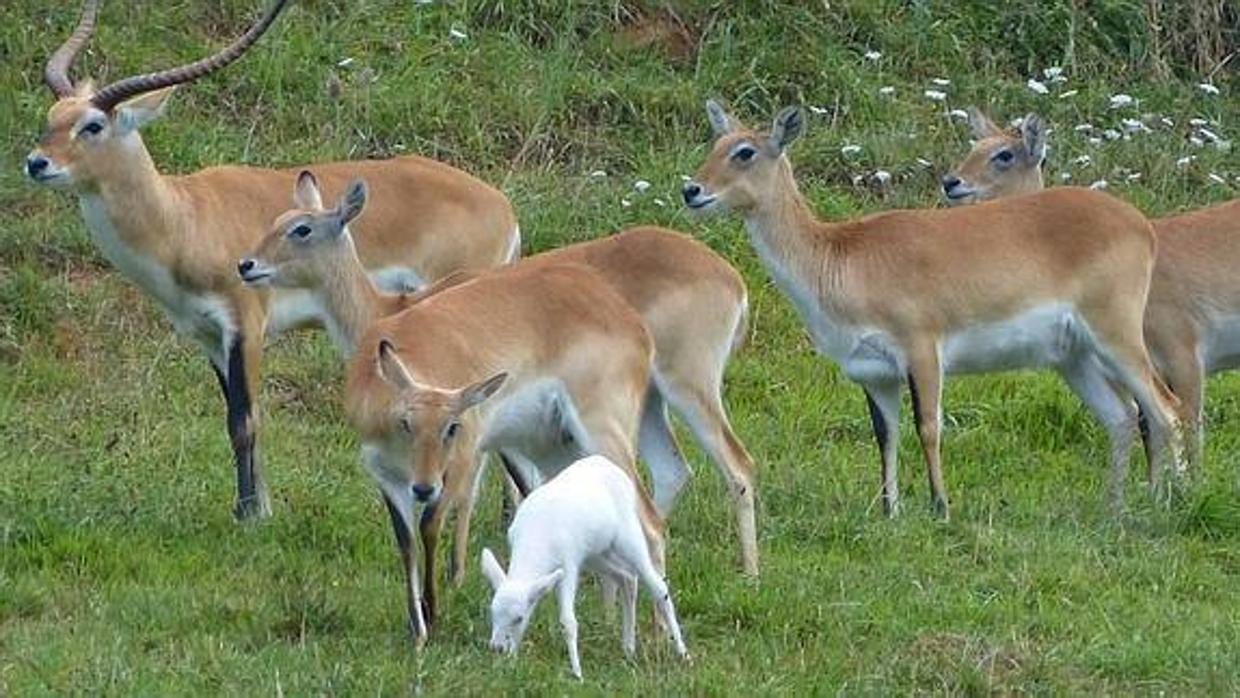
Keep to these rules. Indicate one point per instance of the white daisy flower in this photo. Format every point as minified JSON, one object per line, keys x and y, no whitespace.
{"x":641,"y":186}
{"x":1099,"y":184}
{"x":1121,"y":100}
{"x":935,"y":95}
{"x":850,"y":150}
{"x":1208,"y":88}
{"x":1037,"y":87}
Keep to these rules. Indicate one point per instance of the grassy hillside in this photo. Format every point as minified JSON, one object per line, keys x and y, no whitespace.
{"x":121,"y":570}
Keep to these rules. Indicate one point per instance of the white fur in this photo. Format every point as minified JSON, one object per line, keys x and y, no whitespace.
{"x":585,"y":519}
{"x":203,"y":317}
{"x":514,"y":246}
{"x":1220,"y":344}
{"x":397,"y":279}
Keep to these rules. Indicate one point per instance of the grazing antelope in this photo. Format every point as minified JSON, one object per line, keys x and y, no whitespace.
{"x":692,"y":301}
{"x":1057,"y":280}
{"x":544,"y":362}
{"x":179,"y":237}
{"x":588,"y":517}
{"x":1192,"y":318}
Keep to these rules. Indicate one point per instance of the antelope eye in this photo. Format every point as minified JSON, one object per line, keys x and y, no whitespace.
{"x":92,"y":128}
{"x":450,"y":432}
{"x":405,"y":425}
{"x":300,"y":232}
{"x":744,"y":154}
{"x":1003,"y":157}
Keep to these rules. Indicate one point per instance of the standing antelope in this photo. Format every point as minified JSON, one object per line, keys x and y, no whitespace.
{"x":1192,"y":319}
{"x":1054,"y":280}
{"x":545,"y":362}
{"x":693,"y":303}
{"x":178,"y":237}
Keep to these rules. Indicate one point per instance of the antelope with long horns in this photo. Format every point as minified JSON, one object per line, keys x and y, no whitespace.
{"x":692,"y":301}
{"x":1055,"y":280}
{"x":179,"y":237}
{"x":1192,"y":319}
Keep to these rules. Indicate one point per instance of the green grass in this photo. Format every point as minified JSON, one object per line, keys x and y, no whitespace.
{"x":121,"y":570}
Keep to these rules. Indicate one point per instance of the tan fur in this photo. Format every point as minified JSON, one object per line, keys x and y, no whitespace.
{"x":918,"y":277}
{"x":692,"y":302}
{"x":529,"y":322}
{"x":1194,"y":279}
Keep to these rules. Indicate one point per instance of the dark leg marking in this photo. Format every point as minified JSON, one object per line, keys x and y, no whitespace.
{"x":518,"y":478}
{"x":879,"y":423}
{"x":428,"y":528}
{"x":237,"y":395}
{"x":404,"y":543}
{"x":912,"y":393}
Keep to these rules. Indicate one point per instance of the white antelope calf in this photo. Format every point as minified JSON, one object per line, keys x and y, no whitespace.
{"x":1056,"y":280}
{"x":179,"y":237}
{"x":691,"y":300}
{"x":547,"y":363}
{"x":587,"y":518}
{"x":1192,"y":319}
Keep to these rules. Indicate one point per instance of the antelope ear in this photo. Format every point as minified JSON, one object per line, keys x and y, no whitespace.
{"x":481,"y":390}
{"x":789,"y":125}
{"x":136,"y":112}
{"x":391,"y":369}
{"x":981,"y":124}
{"x":353,"y":202}
{"x":491,"y":569}
{"x":1033,"y":133}
{"x":721,"y":122}
{"x":306,"y":192}
{"x":544,"y":584}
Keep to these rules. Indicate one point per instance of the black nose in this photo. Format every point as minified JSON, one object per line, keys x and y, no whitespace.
{"x":423,"y":492}
{"x":245,"y":266}
{"x":950,"y":181}
{"x":691,"y":191}
{"x":36,"y":165}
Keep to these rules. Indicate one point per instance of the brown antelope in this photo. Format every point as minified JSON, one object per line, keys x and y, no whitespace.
{"x":179,"y":237}
{"x":693,"y":303}
{"x":542,"y":361}
{"x":1192,"y":319}
{"x":1052,"y":280}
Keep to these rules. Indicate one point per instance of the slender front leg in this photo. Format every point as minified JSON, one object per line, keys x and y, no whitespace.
{"x":464,"y":516}
{"x":925,"y":384}
{"x":429,"y":528}
{"x":239,"y":381}
{"x":568,"y":617}
{"x":404,"y":542}
{"x":883,"y":400}
{"x":628,"y":609}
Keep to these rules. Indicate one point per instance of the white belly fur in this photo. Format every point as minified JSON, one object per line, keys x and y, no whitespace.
{"x":540,"y":422}
{"x":1220,"y":345}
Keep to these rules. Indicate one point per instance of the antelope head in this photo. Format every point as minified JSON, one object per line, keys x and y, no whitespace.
{"x":745,"y":168}
{"x":305,"y":245}
{"x":91,"y":130}
{"x":1001,"y":163}
{"x":429,"y":430}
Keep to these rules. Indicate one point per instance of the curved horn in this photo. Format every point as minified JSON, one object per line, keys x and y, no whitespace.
{"x":119,"y":91}
{"x":56,"y":72}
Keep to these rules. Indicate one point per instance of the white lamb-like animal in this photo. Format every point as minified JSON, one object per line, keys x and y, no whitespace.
{"x":585,"y":518}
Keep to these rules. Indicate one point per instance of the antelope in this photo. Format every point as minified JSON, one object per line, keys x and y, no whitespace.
{"x":178,"y":237}
{"x":1055,"y":280}
{"x":691,"y":300}
{"x":588,"y":517}
{"x":1192,"y":318}
{"x":545,"y":362}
